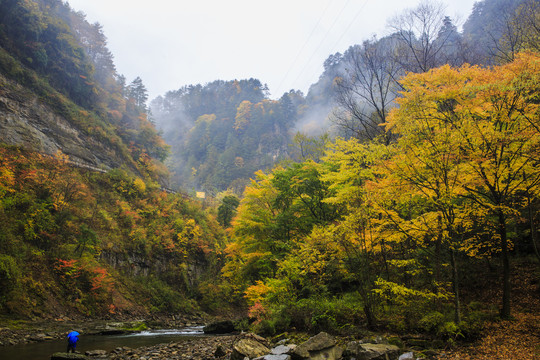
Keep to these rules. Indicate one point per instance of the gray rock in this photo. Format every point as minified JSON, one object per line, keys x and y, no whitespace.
{"x":319,"y":347}
{"x":67,"y":356}
{"x":406,"y":356}
{"x":282,"y":349}
{"x":40,"y":337}
{"x":275,"y":357}
{"x":256,"y":338}
{"x":249,"y":348}
{"x":219,"y":352}
{"x":361,"y":351}
{"x":318,"y":342}
{"x":96,"y":353}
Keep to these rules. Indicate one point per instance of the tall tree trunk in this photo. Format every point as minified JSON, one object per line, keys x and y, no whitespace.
{"x":533,"y":231}
{"x":385,"y":261}
{"x":455,"y":287}
{"x":505,"y":311}
{"x":438,"y":243}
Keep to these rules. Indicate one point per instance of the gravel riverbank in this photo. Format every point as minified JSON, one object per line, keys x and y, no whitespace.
{"x":196,"y":349}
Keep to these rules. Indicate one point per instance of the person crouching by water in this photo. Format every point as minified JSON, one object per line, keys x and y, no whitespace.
{"x":72,"y":337}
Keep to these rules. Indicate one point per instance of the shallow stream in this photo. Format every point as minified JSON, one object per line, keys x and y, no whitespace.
{"x":44,"y":350}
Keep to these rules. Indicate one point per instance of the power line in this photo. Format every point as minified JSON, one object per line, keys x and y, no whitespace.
{"x":303,"y":46}
{"x":347,"y":29}
{"x":349,"y":26}
{"x":321,"y":42}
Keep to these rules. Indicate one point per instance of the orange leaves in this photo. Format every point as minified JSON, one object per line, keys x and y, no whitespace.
{"x":100,"y":279}
{"x":258,"y":312}
{"x":67,"y":268}
{"x":74,"y":272}
{"x":255,"y":294}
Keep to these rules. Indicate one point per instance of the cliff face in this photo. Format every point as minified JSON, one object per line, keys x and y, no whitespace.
{"x":28,"y":122}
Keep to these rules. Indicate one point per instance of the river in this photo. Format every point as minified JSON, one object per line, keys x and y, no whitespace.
{"x":44,"y":350}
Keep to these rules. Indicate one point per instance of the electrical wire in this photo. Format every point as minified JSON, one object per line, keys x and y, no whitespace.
{"x":303,"y":46}
{"x":344,"y":32}
{"x":320,"y":43}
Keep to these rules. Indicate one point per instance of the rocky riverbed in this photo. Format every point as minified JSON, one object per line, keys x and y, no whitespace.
{"x":203,"y":348}
{"x":250,"y":346}
{"x":225,"y":347}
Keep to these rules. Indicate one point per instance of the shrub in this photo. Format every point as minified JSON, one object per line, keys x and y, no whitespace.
{"x":318,"y":314}
{"x":431,"y":321}
{"x":9,"y":275}
{"x":449,"y":330}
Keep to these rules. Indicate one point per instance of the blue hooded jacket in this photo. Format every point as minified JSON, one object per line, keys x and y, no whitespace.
{"x":72,"y":338}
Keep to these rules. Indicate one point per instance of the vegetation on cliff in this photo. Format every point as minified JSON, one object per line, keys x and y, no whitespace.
{"x":59,"y":57}
{"x":79,"y":241}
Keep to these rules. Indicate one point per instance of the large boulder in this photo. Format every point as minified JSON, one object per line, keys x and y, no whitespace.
{"x":361,"y":351}
{"x":319,"y":347}
{"x":275,"y":357}
{"x":219,"y":327}
{"x":68,"y":356}
{"x":250,"y":348}
{"x":283,"y":349}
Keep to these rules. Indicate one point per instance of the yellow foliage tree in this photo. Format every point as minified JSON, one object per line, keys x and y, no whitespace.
{"x":243,"y":115}
{"x":476,"y":129}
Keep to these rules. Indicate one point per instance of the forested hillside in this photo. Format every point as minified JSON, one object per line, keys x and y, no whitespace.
{"x":50,"y":55}
{"x":85,"y":226}
{"x":224,"y":131}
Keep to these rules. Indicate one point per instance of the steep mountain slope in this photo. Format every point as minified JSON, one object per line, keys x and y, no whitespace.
{"x":85,"y":228}
{"x":26,"y":121}
{"x":60,"y":85}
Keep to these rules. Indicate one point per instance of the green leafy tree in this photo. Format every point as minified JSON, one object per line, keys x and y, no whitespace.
{"x":227,"y":210}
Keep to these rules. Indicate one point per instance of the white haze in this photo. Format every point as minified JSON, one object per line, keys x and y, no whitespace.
{"x":282,"y":43}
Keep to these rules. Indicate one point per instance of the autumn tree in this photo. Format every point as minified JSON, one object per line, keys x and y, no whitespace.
{"x":304,"y":147}
{"x":364,"y":252}
{"x":278,"y":209}
{"x":496,"y":144}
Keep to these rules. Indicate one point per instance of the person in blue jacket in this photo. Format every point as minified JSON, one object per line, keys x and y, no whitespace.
{"x":72,"y":337}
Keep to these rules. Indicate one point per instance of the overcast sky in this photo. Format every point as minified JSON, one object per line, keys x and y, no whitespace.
{"x":283,"y":43}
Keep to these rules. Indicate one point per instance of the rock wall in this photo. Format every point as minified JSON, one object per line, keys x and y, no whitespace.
{"x":134,"y":264}
{"x":27,"y":122}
